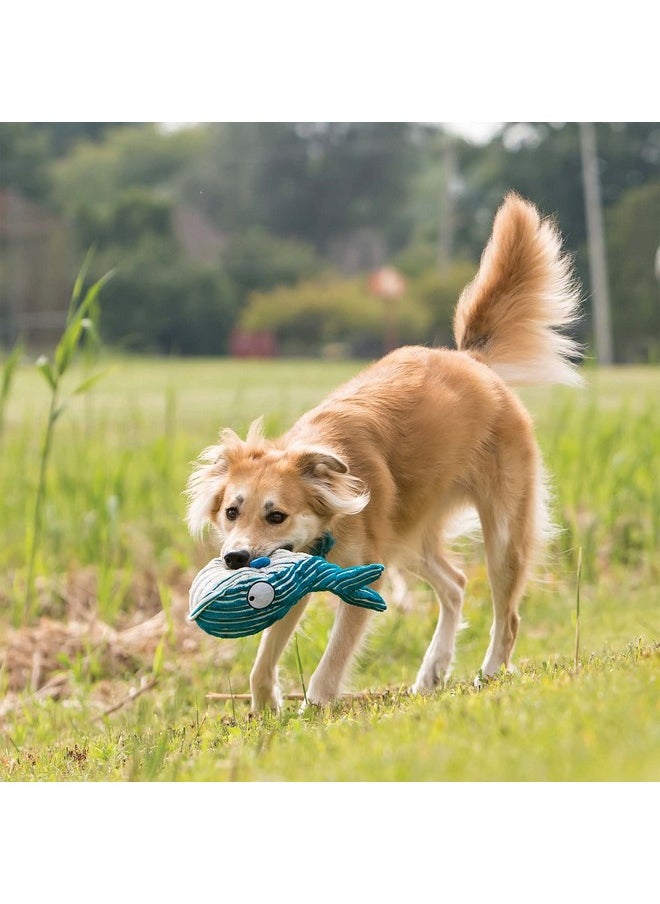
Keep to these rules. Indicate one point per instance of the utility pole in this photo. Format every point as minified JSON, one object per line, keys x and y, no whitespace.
{"x":596,"y":243}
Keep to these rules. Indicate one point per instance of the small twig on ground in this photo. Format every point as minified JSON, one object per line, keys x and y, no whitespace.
{"x":133,"y":695}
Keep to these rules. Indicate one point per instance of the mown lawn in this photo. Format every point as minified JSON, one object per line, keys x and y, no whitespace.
{"x":115,"y":563}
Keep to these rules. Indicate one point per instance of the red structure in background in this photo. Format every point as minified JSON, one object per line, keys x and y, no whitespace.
{"x":389,"y":285}
{"x":253,"y":344}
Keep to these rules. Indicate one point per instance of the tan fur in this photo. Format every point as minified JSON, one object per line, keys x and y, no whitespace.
{"x":390,"y":459}
{"x":523,"y":291}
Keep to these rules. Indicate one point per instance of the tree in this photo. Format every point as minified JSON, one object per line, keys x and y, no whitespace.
{"x":62,"y":136}
{"x":256,"y":260}
{"x":120,"y":194}
{"x":633,"y":239}
{"x":541,"y":161}
{"x":93,"y":174}
{"x":311,"y":181}
{"x":339,"y":177}
{"x":159,"y":301}
{"x":24,"y":159}
{"x":136,"y":213}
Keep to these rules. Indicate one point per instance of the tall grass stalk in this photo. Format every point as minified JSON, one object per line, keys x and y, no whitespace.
{"x":233,"y":704}
{"x":577,"y":611}
{"x":300,"y":669}
{"x":78,"y":323}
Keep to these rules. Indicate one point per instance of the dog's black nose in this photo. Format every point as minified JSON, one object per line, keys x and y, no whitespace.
{"x":237,"y":559}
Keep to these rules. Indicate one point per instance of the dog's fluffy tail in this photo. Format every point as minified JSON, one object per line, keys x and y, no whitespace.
{"x":524,"y":292}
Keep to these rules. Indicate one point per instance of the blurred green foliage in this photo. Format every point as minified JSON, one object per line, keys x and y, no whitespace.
{"x":257,"y":260}
{"x":437,"y":293}
{"x":335,"y":315}
{"x":197,"y":219}
{"x":634,"y":223}
{"x":160,"y":301}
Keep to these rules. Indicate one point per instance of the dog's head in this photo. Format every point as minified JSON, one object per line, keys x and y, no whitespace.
{"x":262,"y":496}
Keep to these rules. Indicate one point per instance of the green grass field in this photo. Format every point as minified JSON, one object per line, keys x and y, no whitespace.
{"x":101,"y":679}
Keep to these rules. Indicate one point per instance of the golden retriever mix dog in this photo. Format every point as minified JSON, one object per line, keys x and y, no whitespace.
{"x":388,"y":461}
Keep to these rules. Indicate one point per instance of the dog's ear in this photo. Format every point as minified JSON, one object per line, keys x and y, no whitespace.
{"x":334,"y":490}
{"x":206,"y":485}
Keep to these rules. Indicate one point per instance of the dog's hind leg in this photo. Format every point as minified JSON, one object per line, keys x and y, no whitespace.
{"x":263,"y":678}
{"x":512,"y":542}
{"x":507,"y":573}
{"x":448,"y":583}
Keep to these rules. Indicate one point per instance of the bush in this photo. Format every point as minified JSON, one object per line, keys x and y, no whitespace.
{"x":437,"y":295}
{"x":256,"y":260}
{"x":318,"y":313}
{"x":416,"y":260}
{"x":161,"y":301}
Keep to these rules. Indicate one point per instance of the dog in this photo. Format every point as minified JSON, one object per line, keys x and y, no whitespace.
{"x":388,"y":461}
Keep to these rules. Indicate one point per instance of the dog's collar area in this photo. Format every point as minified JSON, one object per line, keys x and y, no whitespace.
{"x":322,"y":545}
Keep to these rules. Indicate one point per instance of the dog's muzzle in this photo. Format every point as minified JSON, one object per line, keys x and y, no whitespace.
{"x":238,"y":559}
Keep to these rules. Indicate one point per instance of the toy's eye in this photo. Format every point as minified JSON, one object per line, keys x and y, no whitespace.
{"x":276,"y":517}
{"x":231,"y":513}
{"x":261,"y":595}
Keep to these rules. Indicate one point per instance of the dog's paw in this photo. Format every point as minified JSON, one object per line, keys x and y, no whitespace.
{"x":482,"y":678}
{"x":320,"y":694}
{"x":430,"y":678}
{"x":264,"y":698}
{"x":311,"y":706}
{"x":419,"y":689}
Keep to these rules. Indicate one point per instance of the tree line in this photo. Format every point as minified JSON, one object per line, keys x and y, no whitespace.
{"x":276,"y":226}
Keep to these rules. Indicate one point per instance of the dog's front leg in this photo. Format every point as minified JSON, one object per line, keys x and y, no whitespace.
{"x":347,"y":631}
{"x":263,"y":678}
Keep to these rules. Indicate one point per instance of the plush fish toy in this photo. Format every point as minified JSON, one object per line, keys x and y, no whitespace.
{"x":229,"y":602}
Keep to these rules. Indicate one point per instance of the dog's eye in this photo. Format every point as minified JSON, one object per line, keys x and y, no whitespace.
{"x":231,"y":513}
{"x":276,"y":517}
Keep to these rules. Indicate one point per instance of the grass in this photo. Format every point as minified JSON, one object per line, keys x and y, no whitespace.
{"x":114,"y":553}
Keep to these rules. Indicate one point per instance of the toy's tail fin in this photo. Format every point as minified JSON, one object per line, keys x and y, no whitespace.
{"x":351,"y":585}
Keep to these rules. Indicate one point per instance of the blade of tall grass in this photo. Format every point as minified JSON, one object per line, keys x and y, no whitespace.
{"x":300,"y":669}
{"x":77,"y":322}
{"x":576,"y":661}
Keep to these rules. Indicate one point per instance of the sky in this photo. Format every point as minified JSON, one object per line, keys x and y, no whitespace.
{"x":476,"y":132}
{"x":263,"y":61}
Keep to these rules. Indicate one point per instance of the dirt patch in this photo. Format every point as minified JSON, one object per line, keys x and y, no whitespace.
{"x":32,"y":657}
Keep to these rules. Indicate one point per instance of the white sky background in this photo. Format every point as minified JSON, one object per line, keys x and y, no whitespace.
{"x":476,"y":132}
{"x":289,"y":61}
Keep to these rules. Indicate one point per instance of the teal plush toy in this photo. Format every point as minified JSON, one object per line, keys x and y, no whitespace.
{"x":238,"y":602}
